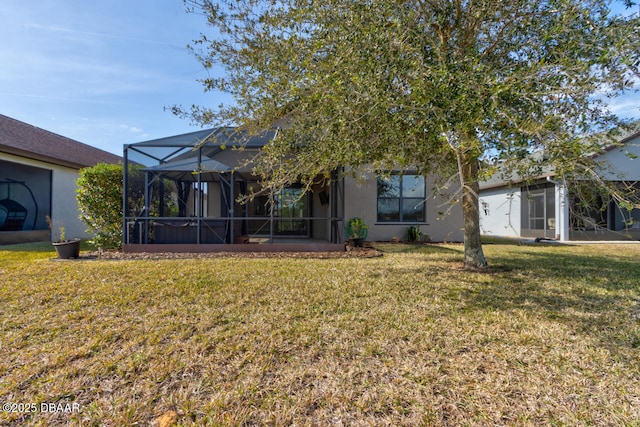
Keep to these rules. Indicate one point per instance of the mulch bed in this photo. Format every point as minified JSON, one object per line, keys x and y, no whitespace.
{"x":365,"y":252}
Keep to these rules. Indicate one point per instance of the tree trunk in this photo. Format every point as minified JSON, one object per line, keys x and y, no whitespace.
{"x":473,"y":254}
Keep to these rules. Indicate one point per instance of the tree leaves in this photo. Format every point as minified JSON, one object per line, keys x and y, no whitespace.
{"x":99,"y":196}
{"x":377,"y":84}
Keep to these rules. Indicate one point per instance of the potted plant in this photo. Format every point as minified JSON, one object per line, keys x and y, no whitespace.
{"x":356,"y":231}
{"x":65,"y":249}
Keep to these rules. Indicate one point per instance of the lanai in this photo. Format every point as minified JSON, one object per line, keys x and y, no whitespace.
{"x":183,"y":193}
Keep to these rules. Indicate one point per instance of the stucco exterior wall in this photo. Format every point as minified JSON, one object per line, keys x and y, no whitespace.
{"x":624,"y":162}
{"x":64,"y":207}
{"x":361,"y":201}
{"x":500,"y":212}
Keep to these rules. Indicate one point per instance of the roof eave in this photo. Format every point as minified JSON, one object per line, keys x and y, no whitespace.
{"x":40,"y":157}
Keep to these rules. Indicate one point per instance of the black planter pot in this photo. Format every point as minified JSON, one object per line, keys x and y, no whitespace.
{"x":358,"y":242}
{"x":68,"y":249}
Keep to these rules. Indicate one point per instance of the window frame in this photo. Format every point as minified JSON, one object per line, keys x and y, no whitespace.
{"x":401,"y":199}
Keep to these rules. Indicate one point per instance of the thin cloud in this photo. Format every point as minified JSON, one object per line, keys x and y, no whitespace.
{"x":53,"y":28}
{"x":625,"y":108}
{"x":62,"y":98}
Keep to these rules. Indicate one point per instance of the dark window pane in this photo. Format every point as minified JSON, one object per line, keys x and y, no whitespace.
{"x":388,"y":209}
{"x":413,"y":210}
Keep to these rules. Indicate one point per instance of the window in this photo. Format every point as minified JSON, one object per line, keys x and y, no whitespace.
{"x":25,"y":193}
{"x":401,"y":198}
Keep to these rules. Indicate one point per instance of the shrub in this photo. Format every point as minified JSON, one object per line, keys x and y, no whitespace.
{"x":99,"y":196}
{"x":413,"y":234}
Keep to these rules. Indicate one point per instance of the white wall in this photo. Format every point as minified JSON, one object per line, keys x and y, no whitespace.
{"x":500,"y":212}
{"x":64,"y":207}
{"x":360,"y":199}
{"x":623,"y":167}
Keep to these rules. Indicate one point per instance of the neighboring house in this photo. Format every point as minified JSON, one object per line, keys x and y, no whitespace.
{"x":547,"y":209}
{"x":188,"y":198}
{"x":38,"y":172}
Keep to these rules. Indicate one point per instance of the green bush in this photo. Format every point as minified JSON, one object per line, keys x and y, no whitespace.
{"x":99,"y":197}
{"x":413,"y":234}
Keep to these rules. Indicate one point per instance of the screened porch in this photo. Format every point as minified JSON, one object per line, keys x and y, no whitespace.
{"x":191,"y":192}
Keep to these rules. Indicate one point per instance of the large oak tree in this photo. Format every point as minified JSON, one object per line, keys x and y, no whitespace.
{"x":446,"y":87}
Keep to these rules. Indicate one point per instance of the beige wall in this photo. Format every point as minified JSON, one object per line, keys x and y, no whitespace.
{"x":361,"y":201}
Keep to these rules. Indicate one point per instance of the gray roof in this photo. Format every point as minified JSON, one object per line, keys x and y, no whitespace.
{"x":25,"y":140}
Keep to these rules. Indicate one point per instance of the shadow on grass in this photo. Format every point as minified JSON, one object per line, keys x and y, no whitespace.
{"x":28,"y":247}
{"x":32,"y":251}
{"x":416,"y":248}
{"x":493,"y":240}
{"x":596,"y":296}
{"x":39,"y":247}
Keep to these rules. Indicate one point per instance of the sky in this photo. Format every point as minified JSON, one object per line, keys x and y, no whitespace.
{"x":102,"y":72}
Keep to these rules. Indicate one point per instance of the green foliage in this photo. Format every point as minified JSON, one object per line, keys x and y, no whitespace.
{"x":435,"y":86}
{"x":357,"y":229}
{"x":99,"y":198}
{"x":413,"y":233}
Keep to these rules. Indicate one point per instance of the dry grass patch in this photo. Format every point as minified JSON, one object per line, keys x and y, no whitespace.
{"x":553,"y":337}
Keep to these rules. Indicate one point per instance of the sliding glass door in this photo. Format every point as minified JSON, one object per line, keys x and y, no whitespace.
{"x":291,"y":210}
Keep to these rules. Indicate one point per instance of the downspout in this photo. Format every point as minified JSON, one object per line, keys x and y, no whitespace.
{"x":562,"y":210}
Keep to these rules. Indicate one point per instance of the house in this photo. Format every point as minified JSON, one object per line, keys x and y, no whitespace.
{"x":38,"y":172}
{"x":185,"y":193}
{"x":546,"y":209}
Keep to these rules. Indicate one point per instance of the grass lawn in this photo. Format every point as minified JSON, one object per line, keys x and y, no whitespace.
{"x":552,"y":337}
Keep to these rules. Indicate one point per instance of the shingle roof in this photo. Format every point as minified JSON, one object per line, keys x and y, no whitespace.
{"x":25,"y":140}
{"x":624,"y":135}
